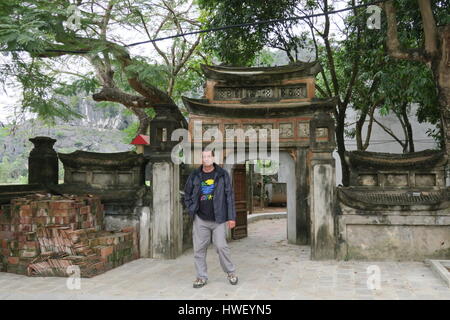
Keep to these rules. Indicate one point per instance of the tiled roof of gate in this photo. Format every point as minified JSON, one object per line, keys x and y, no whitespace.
{"x":80,"y":158}
{"x":269,"y":110}
{"x":363,"y":198}
{"x":300,"y":69}
{"x":365,"y":159}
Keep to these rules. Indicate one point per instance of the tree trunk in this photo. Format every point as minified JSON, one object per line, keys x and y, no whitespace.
{"x":144,"y":120}
{"x":435,"y":54}
{"x":360,"y":124}
{"x":359,"y":127}
{"x":171,"y":85}
{"x":340,"y":141}
{"x":409,"y":132}
{"x":441,"y":73}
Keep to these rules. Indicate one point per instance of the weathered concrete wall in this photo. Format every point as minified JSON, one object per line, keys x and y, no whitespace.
{"x":118,"y":222}
{"x":397,"y":207}
{"x":395,"y":237}
{"x":135,"y":220}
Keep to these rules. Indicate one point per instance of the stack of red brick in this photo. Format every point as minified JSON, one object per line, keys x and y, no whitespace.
{"x":43,"y":235}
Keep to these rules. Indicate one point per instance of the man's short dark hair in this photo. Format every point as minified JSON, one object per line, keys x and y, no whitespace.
{"x":208,"y":149}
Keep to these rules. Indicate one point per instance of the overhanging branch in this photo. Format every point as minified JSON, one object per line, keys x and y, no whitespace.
{"x":393,"y":43}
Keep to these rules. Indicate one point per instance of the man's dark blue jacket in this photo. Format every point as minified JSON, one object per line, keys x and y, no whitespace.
{"x":223,"y":200}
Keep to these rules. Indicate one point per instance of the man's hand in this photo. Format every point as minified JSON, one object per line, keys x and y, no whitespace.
{"x":231,"y":224}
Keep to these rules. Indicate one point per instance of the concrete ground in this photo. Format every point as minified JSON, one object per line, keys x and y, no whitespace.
{"x":268,"y":268}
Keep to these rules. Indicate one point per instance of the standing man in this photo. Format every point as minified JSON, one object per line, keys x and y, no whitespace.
{"x":209,"y":198}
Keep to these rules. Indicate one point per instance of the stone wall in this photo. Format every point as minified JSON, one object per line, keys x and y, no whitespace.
{"x":118,"y":179}
{"x":397,"y":208}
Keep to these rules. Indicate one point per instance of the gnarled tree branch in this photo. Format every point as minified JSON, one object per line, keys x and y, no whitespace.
{"x":393,"y":43}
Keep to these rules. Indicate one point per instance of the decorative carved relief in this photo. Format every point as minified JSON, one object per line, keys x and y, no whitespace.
{"x":293,"y":92}
{"x":266,"y":92}
{"x":229,"y":126}
{"x":368,"y":180}
{"x":286,"y":130}
{"x":287,"y":92}
{"x":321,"y":132}
{"x":213,"y":132}
{"x":257,"y":127}
{"x":396,"y":179}
{"x":303,"y":129}
{"x":227,"y":93}
{"x":425,"y":180}
{"x":209,"y":126}
{"x":293,"y":154}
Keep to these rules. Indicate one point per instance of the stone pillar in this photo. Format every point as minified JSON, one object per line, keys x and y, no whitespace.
{"x":302,"y":219}
{"x":322,"y":207}
{"x":43,"y":162}
{"x":144,"y":232}
{"x":166,"y":218}
{"x":322,"y":187}
{"x":166,"y":225}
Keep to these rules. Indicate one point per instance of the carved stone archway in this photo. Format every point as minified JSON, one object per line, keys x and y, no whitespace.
{"x":280,"y":98}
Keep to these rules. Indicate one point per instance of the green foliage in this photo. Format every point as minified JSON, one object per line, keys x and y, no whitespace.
{"x":88,"y":84}
{"x":39,"y":89}
{"x":4,"y":131}
{"x":239,"y":46}
{"x":379,"y":79}
{"x":34,"y":28}
{"x":154,"y":74}
{"x":391,"y":83}
{"x":59,"y":135}
{"x":130,"y":132}
{"x":409,"y":82}
{"x":13,"y":172}
{"x":409,"y":20}
{"x":190,"y":79}
{"x":265,"y":58}
{"x":21,"y":27}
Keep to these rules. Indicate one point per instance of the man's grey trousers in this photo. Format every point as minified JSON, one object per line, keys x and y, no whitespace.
{"x":201,"y":234}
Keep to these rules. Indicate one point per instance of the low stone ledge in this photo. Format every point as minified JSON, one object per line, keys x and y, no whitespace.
{"x":263,"y":216}
{"x":440,"y":268}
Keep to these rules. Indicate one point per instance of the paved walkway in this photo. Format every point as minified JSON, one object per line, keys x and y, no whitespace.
{"x":268,"y":268}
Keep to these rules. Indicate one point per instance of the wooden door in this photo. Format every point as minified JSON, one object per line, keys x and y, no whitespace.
{"x":240,"y":198}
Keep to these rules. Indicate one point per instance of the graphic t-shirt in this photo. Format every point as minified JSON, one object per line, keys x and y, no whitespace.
{"x":206,"y":208}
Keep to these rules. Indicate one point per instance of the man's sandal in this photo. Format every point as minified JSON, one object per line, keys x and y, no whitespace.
{"x":199,"y":282}
{"x":232,"y":278}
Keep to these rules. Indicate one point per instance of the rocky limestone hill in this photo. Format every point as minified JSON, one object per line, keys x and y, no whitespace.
{"x":100,"y":130}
